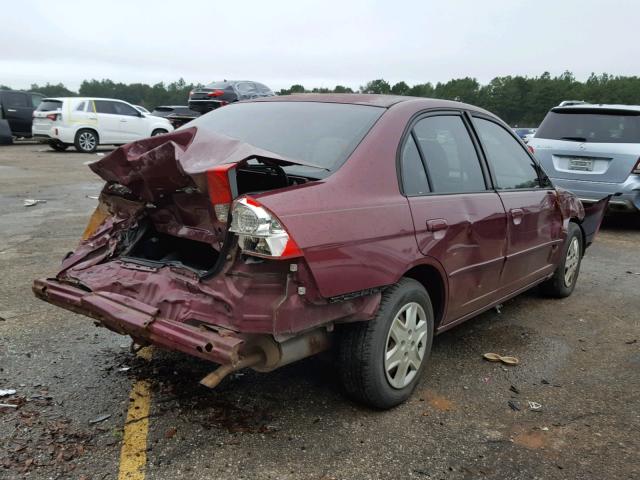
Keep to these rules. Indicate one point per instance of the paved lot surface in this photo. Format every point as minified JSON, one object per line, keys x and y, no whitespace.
{"x":580,"y":359}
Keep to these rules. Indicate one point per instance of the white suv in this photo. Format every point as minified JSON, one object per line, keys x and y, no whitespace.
{"x":89,"y":122}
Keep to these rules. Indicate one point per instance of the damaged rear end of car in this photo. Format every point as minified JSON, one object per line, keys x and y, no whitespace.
{"x":181,"y":253}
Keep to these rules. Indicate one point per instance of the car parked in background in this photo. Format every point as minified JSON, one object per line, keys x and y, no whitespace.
{"x":594,"y":151}
{"x":217,"y":94}
{"x":525,"y":133}
{"x":178,"y":115}
{"x":268,"y":230}
{"x":16,"y":110}
{"x":88,"y":122}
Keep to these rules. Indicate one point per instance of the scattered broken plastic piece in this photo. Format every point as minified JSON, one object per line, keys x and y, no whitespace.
{"x":633,"y":273}
{"x":8,"y":405}
{"x":514,"y":389}
{"x":535,"y":406}
{"x":513,"y":406}
{"x":124,"y":369}
{"x":498,"y":308}
{"x":100,"y":154}
{"x":100,"y":418}
{"x":93,"y":197}
{"x":7,"y":391}
{"x":507,"y":360}
{"x":545,"y":429}
{"x":30,"y":202}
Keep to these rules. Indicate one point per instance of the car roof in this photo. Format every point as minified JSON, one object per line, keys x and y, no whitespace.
{"x":375,"y":100}
{"x":61,"y":99}
{"x":599,"y":106}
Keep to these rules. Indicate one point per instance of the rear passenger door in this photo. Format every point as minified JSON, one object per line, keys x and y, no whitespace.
{"x":18,"y":112}
{"x":534,"y":230}
{"x":458,"y":218}
{"x":108,"y":122}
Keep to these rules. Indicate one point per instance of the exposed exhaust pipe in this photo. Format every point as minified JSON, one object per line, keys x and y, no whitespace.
{"x":269,"y":355}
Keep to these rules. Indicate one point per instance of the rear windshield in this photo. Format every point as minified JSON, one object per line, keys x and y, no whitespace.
{"x":49,"y":105}
{"x":324,"y":134}
{"x":219,"y":85}
{"x":597,"y":126}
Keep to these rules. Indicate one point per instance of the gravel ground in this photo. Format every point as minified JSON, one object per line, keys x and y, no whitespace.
{"x":580,"y":359}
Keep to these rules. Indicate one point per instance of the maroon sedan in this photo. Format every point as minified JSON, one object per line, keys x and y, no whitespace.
{"x":269,"y":230}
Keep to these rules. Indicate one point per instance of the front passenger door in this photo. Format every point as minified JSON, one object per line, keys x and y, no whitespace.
{"x":18,"y":111}
{"x":108,"y":122}
{"x":534,"y":231}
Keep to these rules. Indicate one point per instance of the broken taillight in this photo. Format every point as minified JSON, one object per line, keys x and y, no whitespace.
{"x":636,"y":169}
{"x":220,"y":189}
{"x":53,"y":117}
{"x":260,"y":232}
{"x":215,"y":93}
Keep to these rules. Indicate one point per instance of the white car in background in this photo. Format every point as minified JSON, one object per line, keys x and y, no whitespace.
{"x":89,"y":122}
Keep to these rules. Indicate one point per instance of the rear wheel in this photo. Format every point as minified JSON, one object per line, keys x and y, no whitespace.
{"x":158,"y":131}
{"x":381,"y":360}
{"x":86,"y":141}
{"x":564,"y":279}
{"x":58,"y":146}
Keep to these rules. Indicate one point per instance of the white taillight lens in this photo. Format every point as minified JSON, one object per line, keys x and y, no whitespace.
{"x":259,"y":232}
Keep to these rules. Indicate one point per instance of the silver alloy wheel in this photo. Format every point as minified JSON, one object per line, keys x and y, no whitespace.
{"x":406,"y":345}
{"x":87,"y":141}
{"x":572,"y":261}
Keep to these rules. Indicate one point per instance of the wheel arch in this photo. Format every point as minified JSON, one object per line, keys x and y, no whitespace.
{"x":433,"y":279}
{"x":93,"y":129}
{"x":583,"y":236}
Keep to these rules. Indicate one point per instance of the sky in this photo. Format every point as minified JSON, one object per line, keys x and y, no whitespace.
{"x":314,"y":43}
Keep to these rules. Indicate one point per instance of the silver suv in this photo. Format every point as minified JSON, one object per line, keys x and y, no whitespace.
{"x":594,"y":151}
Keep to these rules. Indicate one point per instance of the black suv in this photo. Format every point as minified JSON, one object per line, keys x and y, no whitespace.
{"x":16,"y":113}
{"x":178,"y":115}
{"x":217,"y":94}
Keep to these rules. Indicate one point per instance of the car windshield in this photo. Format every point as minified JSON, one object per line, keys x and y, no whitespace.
{"x":49,"y":105}
{"x":324,"y":134}
{"x":597,"y":126}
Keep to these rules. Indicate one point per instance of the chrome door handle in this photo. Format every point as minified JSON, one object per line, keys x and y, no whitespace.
{"x":123,"y":121}
{"x":12,"y":110}
{"x":516,"y":215}
{"x":437,"y":224}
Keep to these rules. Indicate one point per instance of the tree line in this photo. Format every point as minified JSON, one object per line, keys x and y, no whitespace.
{"x":519,"y":100}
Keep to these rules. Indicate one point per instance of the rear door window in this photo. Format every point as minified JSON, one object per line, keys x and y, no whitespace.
{"x":414,"y":177}
{"x":451,"y":159}
{"x":36,"y":99}
{"x":591,"y":125}
{"x":16,"y":99}
{"x":512,"y":166}
{"x":81,"y":107}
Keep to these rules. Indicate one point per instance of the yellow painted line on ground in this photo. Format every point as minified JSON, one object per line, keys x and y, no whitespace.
{"x":133,"y":456}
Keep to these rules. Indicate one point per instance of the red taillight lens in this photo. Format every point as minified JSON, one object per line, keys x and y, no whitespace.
{"x":220,"y":191}
{"x":531,"y":149}
{"x":215,"y":93}
{"x":260,"y":232}
{"x":636,"y":169}
{"x":53,"y":117}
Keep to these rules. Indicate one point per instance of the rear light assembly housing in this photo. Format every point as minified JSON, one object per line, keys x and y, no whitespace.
{"x":53,"y":116}
{"x":215,"y":93}
{"x":259,"y":231}
{"x":636,"y":168}
{"x":219,"y":184}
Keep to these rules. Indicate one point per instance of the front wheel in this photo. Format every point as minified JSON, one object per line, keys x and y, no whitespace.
{"x":86,"y":141}
{"x":564,"y":279}
{"x":381,"y":360}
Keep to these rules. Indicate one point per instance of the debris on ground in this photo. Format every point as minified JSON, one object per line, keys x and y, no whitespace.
{"x":8,"y":405}
{"x":631,"y":342}
{"x":93,"y":197}
{"x":30,"y":202}
{"x":513,"y":405}
{"x":170,"y":433}
{"x":7,"y":391}
{"x":495,"y":357}
{"x":535,"y":406}
{"x":514,"y":389}
{"x":100,"y":418}
{"x":633,"y":273}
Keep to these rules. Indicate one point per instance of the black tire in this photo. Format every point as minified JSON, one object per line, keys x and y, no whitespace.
{"x":158,"y":131}
{"x":363,"y":346}
{"x":58,"y":146}
{"x":558,"y":286}
{"x":86,"y":141}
